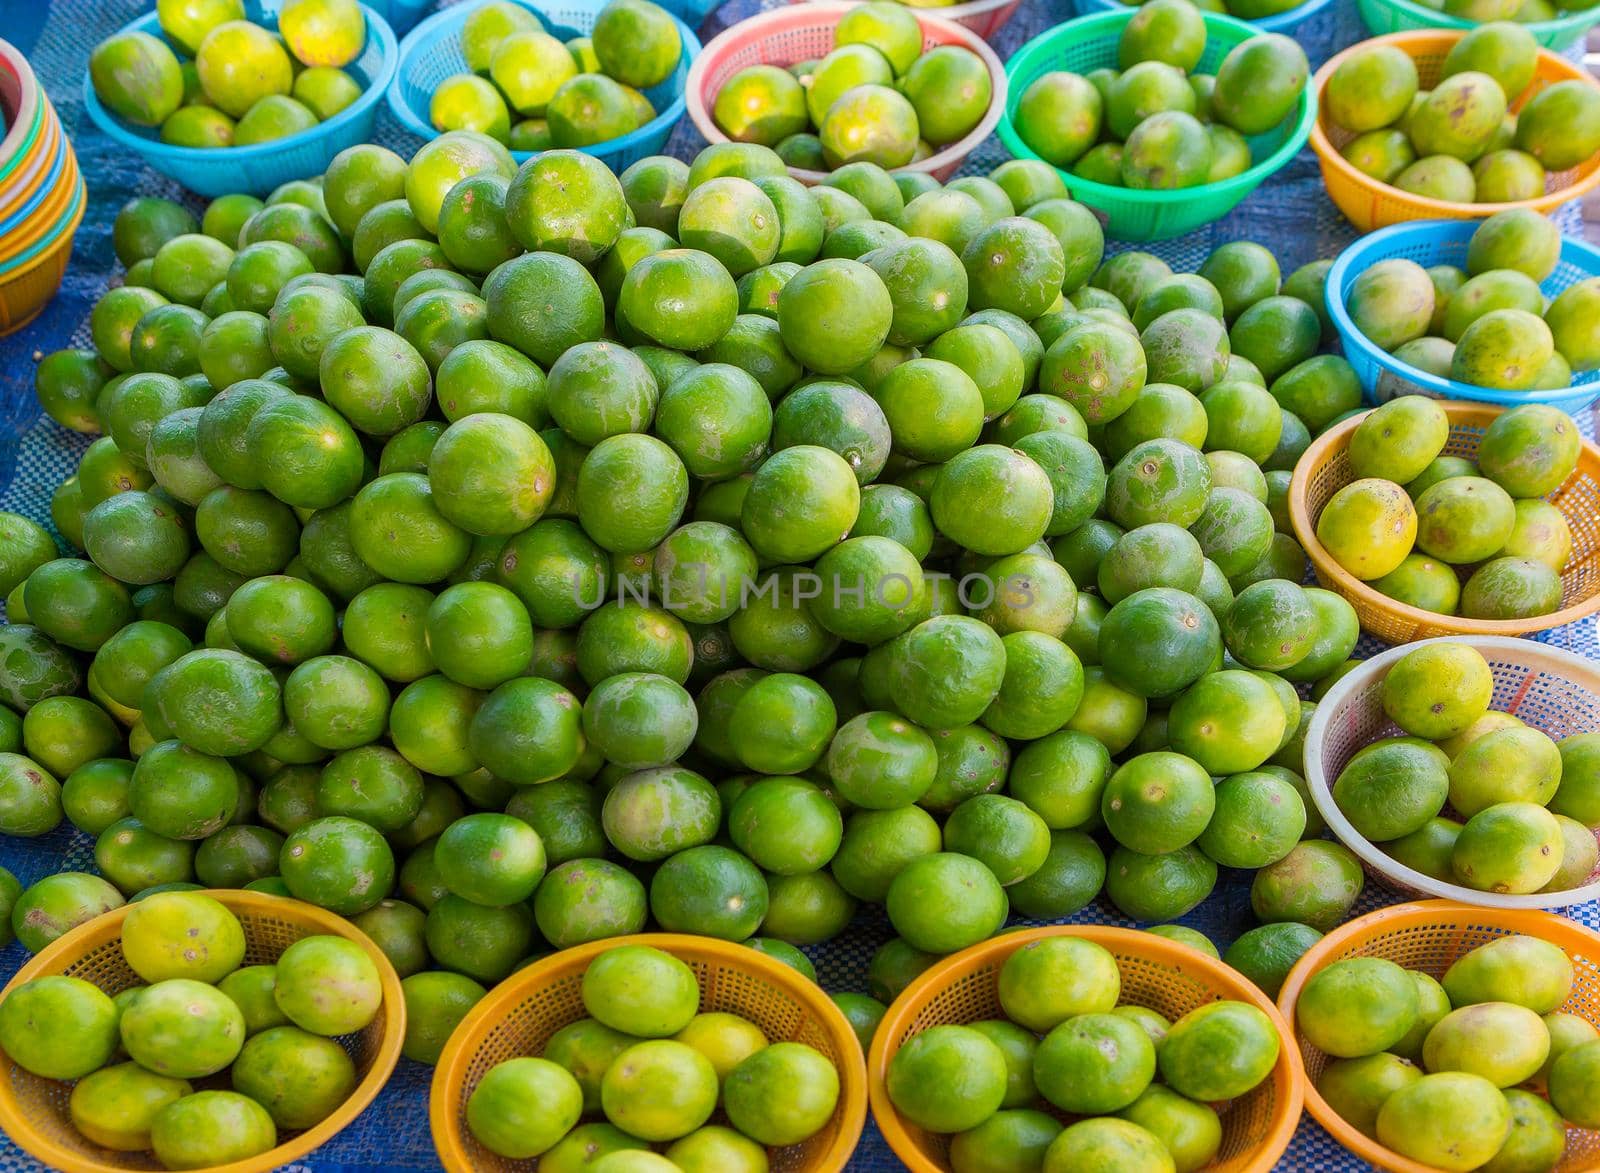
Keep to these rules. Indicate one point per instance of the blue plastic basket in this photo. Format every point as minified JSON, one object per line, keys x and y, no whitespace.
{"x":402,"y":15}
{"x":1282,"y":22}
{"x":260,"y":167}
{"x":432,"y":52}
{"x":1444,"y":242}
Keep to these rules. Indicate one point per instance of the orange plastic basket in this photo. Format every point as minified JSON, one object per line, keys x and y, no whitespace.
{"x":522,"y":1012}
{"x":1324,"y":469}
{"x":1429,"y":935}
{"x":33,"y":1111}
{"x":1169,"y":978}
{"x":1370,"y":204}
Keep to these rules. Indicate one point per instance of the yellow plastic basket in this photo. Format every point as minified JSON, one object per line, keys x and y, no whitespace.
{"x":1167,"y":977}
{"x":522,"y":1012}
{"x":33,"y":1111}
{"x":1324,"y":469}
{"x":1428,"y":936}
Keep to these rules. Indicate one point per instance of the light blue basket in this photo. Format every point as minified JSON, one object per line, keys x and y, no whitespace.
{"x":1444,"y":242}
{"x":402,"y":15}
{"x":432,"y":52}
{"x":260,"y":167}
{"x":1281,"y":22}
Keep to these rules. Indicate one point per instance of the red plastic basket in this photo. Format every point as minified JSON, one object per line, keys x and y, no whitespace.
{"x":803,"y":31}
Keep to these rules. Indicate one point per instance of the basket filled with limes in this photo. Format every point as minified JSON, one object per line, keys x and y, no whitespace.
{"x":1161,"y":118}
{"x":1557,"y":26}
{"x":1503,"y":311}
{"x":1154,"y":1053}
{"x":1447,"y":518}
{"x":826,"y":85}
{"x":1440,"y":1035}
{"x":1270,"y":16}
{"x":1466,"y":768}
{"x":110,"y":1037}
{"x":984,"y":17}
{"x":222,"y":103}
{"x":1437,"y":124}
{"x":634,"y":1043}
{"x":604,"y":78}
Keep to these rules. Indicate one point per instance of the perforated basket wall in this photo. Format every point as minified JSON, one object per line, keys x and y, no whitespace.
{"x":33,"y":1111}
{"x":984,"y":17}
{"x":522,"y":1012}
{"x":1324,"y":469}
{"x":1167,"y":977}
{"x":1089,"y":43}
{"x":1428,"y":936}
{"x":1281,"y":22}
{"x":1444,"y":242}
{"x":26,"y":289}
{"x":1369,"y":204}
{"x":1546,"y":688}
{"x":805,"y":31}
{"x":1393,"y":16}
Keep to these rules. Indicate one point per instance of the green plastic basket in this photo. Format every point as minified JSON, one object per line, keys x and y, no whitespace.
{"x":1090,"y":42}
{"x":1396,"y":16}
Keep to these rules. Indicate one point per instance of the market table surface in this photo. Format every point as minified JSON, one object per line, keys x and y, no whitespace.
{"x":1290,"y":214}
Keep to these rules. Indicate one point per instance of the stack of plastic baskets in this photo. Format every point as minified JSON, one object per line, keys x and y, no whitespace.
{"x":41,"y":195}
{"x":260,"y":167}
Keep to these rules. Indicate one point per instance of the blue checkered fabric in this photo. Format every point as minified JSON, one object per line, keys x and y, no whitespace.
{"x":1289,"y":214}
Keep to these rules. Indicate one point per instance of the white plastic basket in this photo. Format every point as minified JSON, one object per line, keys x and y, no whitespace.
{"x":1545,"y":688}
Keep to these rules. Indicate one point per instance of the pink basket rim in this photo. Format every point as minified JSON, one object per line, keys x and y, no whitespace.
{"x":827,"y":14}
{"x":947,"y":11}
{"x":27,"y":93}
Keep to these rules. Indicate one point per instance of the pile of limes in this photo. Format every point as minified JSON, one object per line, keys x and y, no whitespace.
{"x":656,"y":1068}
{"x":1489,"y":324}
{"x":1491,"y":1036}
{"x":1529,"y":803}
{"x":1451,"y":535}
{"x":1459,"y":141}
{"x":1139,"y":1087}
{"x":587,"y":90}
{"x":240,"y":84}
{"x":201,"y":1012}
{"x":1153,"y":122}
{"x":877,"y":97}
{"x":507,"y":558}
